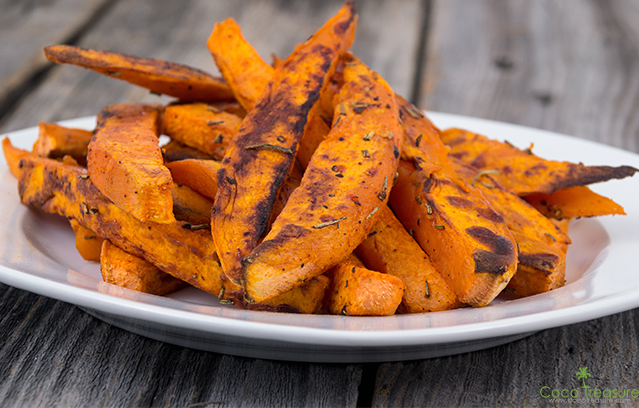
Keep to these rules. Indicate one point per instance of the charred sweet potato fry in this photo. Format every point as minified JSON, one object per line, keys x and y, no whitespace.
{"x":246,"y":73}
{"x":362,"y":292}
{"x":346,"y":183}
{"x":390,"y":249}
{"x":161,"y":77}
{"x":125,"y":162}
{"x":200,"y":175}
{"x":13,"y":155}
{"x":522,"y":172}
{"x":120,"y":268}
{"x":467,"y":241}
{"x":260,"y":157}
{"x":88,"y":244}
{"x":542,"y":259}
{"x":56,"y":141}
{"x":198,"y":126}
{"x":573,"y":202}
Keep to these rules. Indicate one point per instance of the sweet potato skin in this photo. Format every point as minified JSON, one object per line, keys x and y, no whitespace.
{"x":56,"y":141}
{"x":521,"y":171}
{"x":341,"y":192}
{"x":125,"y":162}
{"x":198,"y":126}
{"x":260,"y":157}
{"x":161,"y":77}
{"x":361,"y":292}
{"x":574,"y":202}
{"x":390,"y":249}
{"x":128,"y":271}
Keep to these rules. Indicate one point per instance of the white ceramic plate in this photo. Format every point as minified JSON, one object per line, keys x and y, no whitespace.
{"x":38,"y":255}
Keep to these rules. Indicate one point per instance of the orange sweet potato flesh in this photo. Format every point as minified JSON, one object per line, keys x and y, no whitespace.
{"x":161,"y":77}
{"x":125,"y":162}
{"x":13,"y":155}
{"x":341,"y":193}
{"x":260,"y":157}
{"x":361,"y":292}
{"x":120,"y":268}
{"x":390,"y":249}
{"x":199,"y":126}
{"x":573,"y":202}
{"x":200,"y":175}
{"x":88,"y":244}
{"x":522,"y":172}
{"x":541,"y":245}
{"x":246,"y":73}
{"x":55,"y":141}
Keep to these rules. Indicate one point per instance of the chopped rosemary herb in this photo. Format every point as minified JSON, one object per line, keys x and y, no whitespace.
{"x":419,"y":200}
{"x":395,"y":178}
{"x":90,"y":237}
{"x":418,"y":140}
{"x":219,"y":138}
{"x":342,"y":109}
{"x":384,"y":193}
{"x":369,"y":136}
{"x":439,"y":226}
{"x":487,"y":185}
{"x":427,"y":290}
{"x":550,"y":235}
{"x":83,"y":176}
{"x":429,"y":209}
{"x":328,"y":223}
{"x":483,"y":173}
{"x":390,"y":135}
{"x":268,"y":146}
{"x":85,"y":209}
{"x":365,"y":153}
{"x":226,"y":301}
{"x":213,"y":123}
{"x":372,"y":212}
{"x":115,"y":74}
{"x":219,"y":295}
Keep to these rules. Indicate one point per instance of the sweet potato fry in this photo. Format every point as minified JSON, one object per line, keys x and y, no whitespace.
{"x":346,"y":183}
{"x":176,"y":151}
{"x":522,"y":172}
{"x":468,"y":243}
{"x":541,"y":245}
{"x":390,"y":249}
{"x":573,"y":202}
{"x":128,"y":271}
{"x":191,"y":206}
{"x":88,"y":244}
{"x":55,"y":141}
{"x":246,"y":73}
{"x":200,"y":175}
{"x":362,"y":292}
{"x":161,"y":77}
{"x":197,"y":125}
{"x":125,"y":162}
{"x":261,"y":156}
{"x":13,"y":155}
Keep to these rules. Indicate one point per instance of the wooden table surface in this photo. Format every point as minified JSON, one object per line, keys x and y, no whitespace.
{"x":570,"y":66}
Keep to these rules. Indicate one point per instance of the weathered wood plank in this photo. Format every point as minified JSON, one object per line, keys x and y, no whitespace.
{"x":178,"y":31}
{"x":26,"y":27}
{"x":570,"y":66}
{"x":53,"y":354}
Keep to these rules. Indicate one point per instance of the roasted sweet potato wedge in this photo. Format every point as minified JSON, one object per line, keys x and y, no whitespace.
{"x":361,"y":292}
{"x":125,"y":162}
{"x":161,"y":77}
{"x":246,"y":73}
{"x":346,"y":183}
{"x":573,"y":202}
{"x":522,"y":172}
{"x":541,"y":245}
{"x":199,"y":126}
{"x":260,"y":157}
{"x":57,"y":141}
{"x":120,"y":268}
{"x":88,"y":244}
{"x":390,"y":249}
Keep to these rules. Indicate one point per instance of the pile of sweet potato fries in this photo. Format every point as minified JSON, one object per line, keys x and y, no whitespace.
{"x":307,"y":185}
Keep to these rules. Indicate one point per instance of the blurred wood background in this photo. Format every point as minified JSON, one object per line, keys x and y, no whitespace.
{"x":570,"y":66}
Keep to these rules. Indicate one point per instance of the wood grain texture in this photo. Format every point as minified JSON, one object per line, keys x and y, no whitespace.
{"x":178,"y":31}
{"x":570,"y":66}
{"x":54,"y":354}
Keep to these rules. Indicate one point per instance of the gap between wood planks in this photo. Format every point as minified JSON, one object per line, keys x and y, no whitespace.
{"x":10,"y":101}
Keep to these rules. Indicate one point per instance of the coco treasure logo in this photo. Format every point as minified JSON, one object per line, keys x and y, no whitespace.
{"x":586,"y":393}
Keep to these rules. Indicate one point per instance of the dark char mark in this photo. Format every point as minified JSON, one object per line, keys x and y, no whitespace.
{"x":499,"y":256}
